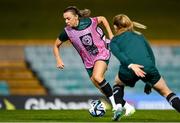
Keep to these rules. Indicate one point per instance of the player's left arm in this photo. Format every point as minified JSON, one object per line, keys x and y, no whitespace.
{"x":103,"y":20}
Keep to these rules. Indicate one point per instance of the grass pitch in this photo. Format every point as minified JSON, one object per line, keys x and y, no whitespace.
{"x":84,"y":116}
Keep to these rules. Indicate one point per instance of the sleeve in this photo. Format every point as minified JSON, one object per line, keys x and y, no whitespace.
{"x":63,"y":36}
{"x":95,"y":20}
{"x":122,"y":57}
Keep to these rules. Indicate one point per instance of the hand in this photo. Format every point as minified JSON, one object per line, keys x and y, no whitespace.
{"x":111,"y":36}
{"x":60,"y":64}
{"x":137,"y":70}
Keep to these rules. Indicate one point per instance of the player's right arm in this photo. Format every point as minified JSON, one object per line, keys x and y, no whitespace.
{"x":62,"y":38}
{"x":103,"y":20}
{"x":59,"y":62}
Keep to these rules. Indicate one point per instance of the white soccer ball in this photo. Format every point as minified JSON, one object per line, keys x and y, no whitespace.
{"x":97,"y":108}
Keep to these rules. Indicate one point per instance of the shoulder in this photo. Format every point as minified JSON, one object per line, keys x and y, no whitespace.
{"x":94,"y":19}
{"x":85,"y":20}
{"x":63,"y":35}
{"x":130,"y":34}
{"x":118,"y":39}
{"x":114,"y":40}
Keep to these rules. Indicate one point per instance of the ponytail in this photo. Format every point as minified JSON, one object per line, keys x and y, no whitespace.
{"x":138,"y":25}
{"x":85,"y":13}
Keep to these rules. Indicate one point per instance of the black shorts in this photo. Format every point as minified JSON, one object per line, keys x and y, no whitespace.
{"x":129,"y":78}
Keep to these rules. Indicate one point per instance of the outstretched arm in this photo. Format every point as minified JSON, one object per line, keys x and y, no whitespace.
{"x":103,"y":20}
{"x":59,"y":62}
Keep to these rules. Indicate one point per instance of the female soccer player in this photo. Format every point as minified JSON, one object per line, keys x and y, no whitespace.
{"x":137,"y":62}
{"x":90,"y":42}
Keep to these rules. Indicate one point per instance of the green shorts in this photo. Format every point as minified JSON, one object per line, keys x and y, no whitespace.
{"x":129,"y":78}
{"x":90,"y":70}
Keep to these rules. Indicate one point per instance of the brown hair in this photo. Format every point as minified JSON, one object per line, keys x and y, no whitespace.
{"x":76,"y":11}
{"x":123,"y":22}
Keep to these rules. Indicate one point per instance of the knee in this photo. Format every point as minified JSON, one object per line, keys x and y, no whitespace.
{"x":118,"y":81}
{"x":97,"y":78}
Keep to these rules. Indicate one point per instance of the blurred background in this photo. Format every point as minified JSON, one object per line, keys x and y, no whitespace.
{"x":28,"y":30}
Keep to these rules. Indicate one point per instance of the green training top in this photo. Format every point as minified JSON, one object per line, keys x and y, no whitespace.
{"x":130,"y":47}
{"x":83,"y":23}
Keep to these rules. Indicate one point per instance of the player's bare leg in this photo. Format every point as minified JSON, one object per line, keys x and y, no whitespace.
{"x":98,"y":78}
{"x":171,"y":97}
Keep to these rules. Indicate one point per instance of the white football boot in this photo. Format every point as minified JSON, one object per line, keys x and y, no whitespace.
{"x":118,"y":113}
{"x":130,"y":110}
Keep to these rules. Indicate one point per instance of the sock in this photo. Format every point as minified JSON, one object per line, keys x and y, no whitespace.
{"x":118,"y":91}
{"x":174,"y":101}
{"x":111,"y":98}
{"x":107,"y":90}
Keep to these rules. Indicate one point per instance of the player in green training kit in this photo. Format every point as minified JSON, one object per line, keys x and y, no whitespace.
{"x":137,"y":62}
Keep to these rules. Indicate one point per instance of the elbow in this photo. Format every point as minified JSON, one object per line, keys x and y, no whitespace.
{"x":55,"y":47}
{"x":101,"y":19}
{"x":57,"y":43}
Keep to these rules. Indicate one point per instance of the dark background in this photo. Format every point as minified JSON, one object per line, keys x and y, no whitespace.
{"x":42,"y":19}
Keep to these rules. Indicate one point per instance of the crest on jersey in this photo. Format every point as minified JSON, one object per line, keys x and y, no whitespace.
{"x":87,"y":39}
{"x":89,"y":45}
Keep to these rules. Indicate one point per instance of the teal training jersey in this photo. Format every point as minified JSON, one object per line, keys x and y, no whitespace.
{"x":130,"y":47}
{"x":83,"y":23}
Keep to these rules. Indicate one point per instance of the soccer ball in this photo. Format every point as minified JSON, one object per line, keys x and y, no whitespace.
{"x":97,"y":108}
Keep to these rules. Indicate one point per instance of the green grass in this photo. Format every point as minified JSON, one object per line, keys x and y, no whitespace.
{"x":84,"y":116}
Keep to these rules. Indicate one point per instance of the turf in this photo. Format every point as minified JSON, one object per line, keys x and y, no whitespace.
{"x":84,"y":116}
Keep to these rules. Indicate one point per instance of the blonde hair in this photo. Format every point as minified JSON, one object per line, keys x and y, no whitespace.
{"x":123,"y":22}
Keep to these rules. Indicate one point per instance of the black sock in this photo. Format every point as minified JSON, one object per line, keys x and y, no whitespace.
{"x":118,"y":91}
{"x":106,"y":88}
{"x":174,"y":101}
